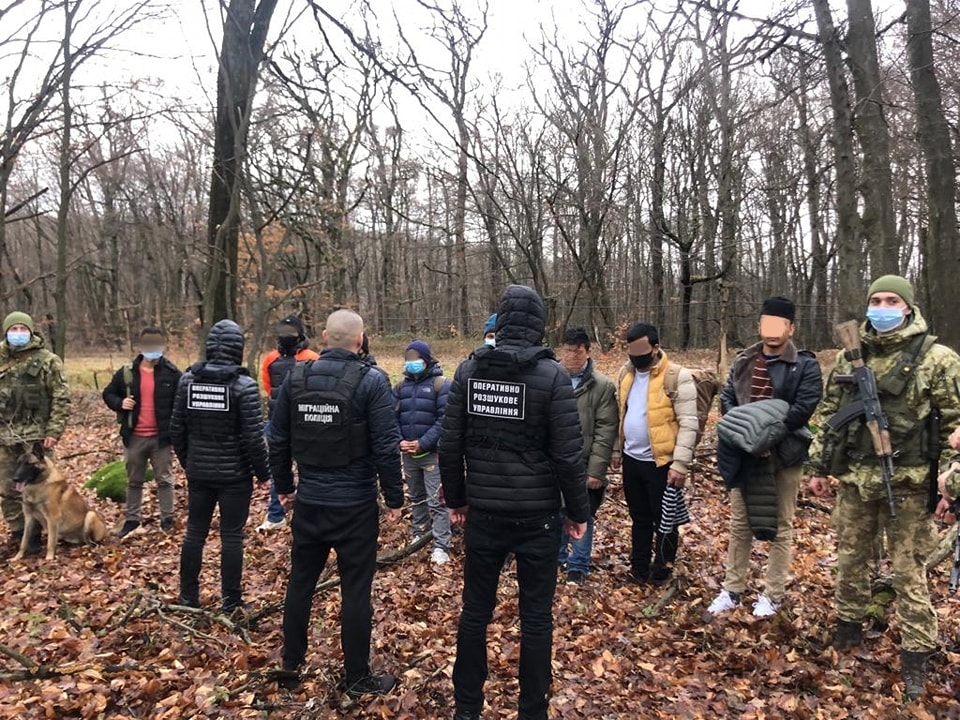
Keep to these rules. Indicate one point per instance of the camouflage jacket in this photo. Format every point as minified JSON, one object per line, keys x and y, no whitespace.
{"x":935,"y":383}
{"x":34,"y":397}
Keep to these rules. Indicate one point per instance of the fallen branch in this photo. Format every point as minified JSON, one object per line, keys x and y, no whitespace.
{"x":814,"y":505}
{"x":19,"y":657}
{"x":669,"y":591}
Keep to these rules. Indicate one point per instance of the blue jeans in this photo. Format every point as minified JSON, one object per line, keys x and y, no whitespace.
{"x":275,"y":510}
{"x":575,"y":554}
{"x":487,"y":541}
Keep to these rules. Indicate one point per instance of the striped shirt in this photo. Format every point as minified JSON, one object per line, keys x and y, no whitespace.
{"x":761,"y":387}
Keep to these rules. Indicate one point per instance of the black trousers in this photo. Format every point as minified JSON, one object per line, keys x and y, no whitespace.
{"x":234,"y":502}
{"x":487,"y":540}
{"x":643,"y":486}
{"x":352,"y":532}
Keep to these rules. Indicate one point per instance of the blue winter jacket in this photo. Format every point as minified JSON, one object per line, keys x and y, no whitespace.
{"x":420,"y":408}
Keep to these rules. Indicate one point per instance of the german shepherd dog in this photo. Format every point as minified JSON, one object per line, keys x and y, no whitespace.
{"x":51,"y":502}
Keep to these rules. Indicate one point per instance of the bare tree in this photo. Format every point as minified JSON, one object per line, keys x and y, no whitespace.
{"x":245,"y":27}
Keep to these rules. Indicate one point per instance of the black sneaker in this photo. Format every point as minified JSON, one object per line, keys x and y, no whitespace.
{"x":577,"y":577}
{"x":371,"y":685}
{"x":466,"y":715}
{"x":167,"y":524}
{"x":129,"y":527}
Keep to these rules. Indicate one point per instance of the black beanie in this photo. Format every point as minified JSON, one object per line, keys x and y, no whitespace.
{"x":779,"y":306}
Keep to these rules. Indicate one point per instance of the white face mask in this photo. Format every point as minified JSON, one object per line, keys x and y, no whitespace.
{"x":492,"y":342}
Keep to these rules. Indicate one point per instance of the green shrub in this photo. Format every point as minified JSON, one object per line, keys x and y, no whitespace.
{"x":110,"y":481}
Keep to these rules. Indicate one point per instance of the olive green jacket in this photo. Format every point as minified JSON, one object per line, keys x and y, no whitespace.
{"x":34,"y":397}
{"x":599,"y":419}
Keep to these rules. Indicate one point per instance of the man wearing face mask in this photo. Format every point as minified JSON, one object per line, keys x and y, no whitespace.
{"x":142,"y":395}
{"x":292,"y":347}
{"x":490,"y":331}
{"x":34,"y":407}
{"x":420,"y":399}
{"x":915,"y":376}
{"x":656,"y":442}
{"x":771,"y":368}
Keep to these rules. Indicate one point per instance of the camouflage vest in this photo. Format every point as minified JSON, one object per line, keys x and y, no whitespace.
{"x":24,"y":399}
{"x":909,"y":428}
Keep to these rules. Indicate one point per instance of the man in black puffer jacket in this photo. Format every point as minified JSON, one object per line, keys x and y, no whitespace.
{"x":217,"y":433}
{"x":510,"y":449}
{"x":335,"y":417}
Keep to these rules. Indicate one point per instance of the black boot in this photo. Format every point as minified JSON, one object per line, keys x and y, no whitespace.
{"x":913,"y":670}
{"x":848,"y":635}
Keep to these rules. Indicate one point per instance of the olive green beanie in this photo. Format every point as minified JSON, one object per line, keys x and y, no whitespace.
{"x":895,"y":284}
{"x":18,"y":318}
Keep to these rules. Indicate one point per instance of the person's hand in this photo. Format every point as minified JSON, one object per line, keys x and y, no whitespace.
{"x":594,"y":483}
{"x":944,"y":511}
{"x":819,"y":485}
{"x":128,"y":403}
{"x":458,"y":516}
{"x":676,"y":478}
{"x":414,"y":447}
{"x":573,"y":529}
{"x":406,"y":446}
{"x":49,"y":443}
{"x":944,"y":476}
{"x":393,"y":515}
{"x":955,"y":439}
{"x":615,"y":464}
{"x":287,"y":500}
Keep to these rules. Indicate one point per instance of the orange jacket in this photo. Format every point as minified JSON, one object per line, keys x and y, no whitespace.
{"x":304,"y":354}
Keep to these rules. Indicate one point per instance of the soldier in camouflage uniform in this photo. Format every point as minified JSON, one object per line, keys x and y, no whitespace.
{"x":34,"y":406}
{"x":914,"y":376}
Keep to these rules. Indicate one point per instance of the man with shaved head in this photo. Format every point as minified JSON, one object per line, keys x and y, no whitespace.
{"x":336,"y":420}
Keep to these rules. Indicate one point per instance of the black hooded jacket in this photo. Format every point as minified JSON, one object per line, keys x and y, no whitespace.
{"x":219,"y":439}
{"x":166,"y":377}
{"x":514,"y":467}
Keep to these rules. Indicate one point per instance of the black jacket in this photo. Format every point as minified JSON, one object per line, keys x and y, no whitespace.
{"x":356,"y":483}
{"x":795,"y":376}
{"x":166,"y":377}
{"x":221,"y":448}
{"x":525,"y":475}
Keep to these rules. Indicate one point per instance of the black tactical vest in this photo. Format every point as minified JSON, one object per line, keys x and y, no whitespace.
{"x":323,"y":431}
{"x":277,"y":372}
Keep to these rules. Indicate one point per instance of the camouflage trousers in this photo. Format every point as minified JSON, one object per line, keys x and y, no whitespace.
{"x":11,"y":504}
{"x":911,"y":537}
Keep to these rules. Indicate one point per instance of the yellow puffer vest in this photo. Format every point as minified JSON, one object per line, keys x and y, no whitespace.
{"x":661,"y":419}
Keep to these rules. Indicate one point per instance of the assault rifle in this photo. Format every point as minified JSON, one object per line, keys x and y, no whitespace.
{"x":866,"y":406}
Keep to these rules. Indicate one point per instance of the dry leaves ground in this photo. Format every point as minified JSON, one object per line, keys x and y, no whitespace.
{"x":94,"y":634}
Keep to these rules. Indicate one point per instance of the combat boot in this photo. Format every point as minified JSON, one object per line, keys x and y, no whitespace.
{"x":847,"y":635}
{"x":913,"y":670}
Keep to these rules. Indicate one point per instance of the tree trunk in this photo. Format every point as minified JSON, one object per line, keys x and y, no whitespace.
{"x":59,"y":338}
{"x":244,"y":34}
{"x":940,"y":288}
{"x":849,"y":255}
{"x":879,"y":227}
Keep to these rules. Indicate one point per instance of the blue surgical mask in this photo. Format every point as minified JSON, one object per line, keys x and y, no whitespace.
{"x":153,"y":354}
{"x":492,"y":342}
{"x":18,"y":338}
{"x":885,"y":319}
{"x":414,"y":367}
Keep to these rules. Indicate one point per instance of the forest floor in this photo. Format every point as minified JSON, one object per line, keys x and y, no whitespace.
{"x":97,"y":634}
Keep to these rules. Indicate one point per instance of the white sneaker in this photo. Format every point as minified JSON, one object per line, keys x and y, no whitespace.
{"x":439,"y":556}
{"x":723,"y":602}
{"x":268,"y":525}
{"x":764,"y":607}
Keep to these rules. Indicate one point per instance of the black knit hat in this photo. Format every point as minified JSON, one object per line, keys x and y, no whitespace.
{"x":779,"y":306}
